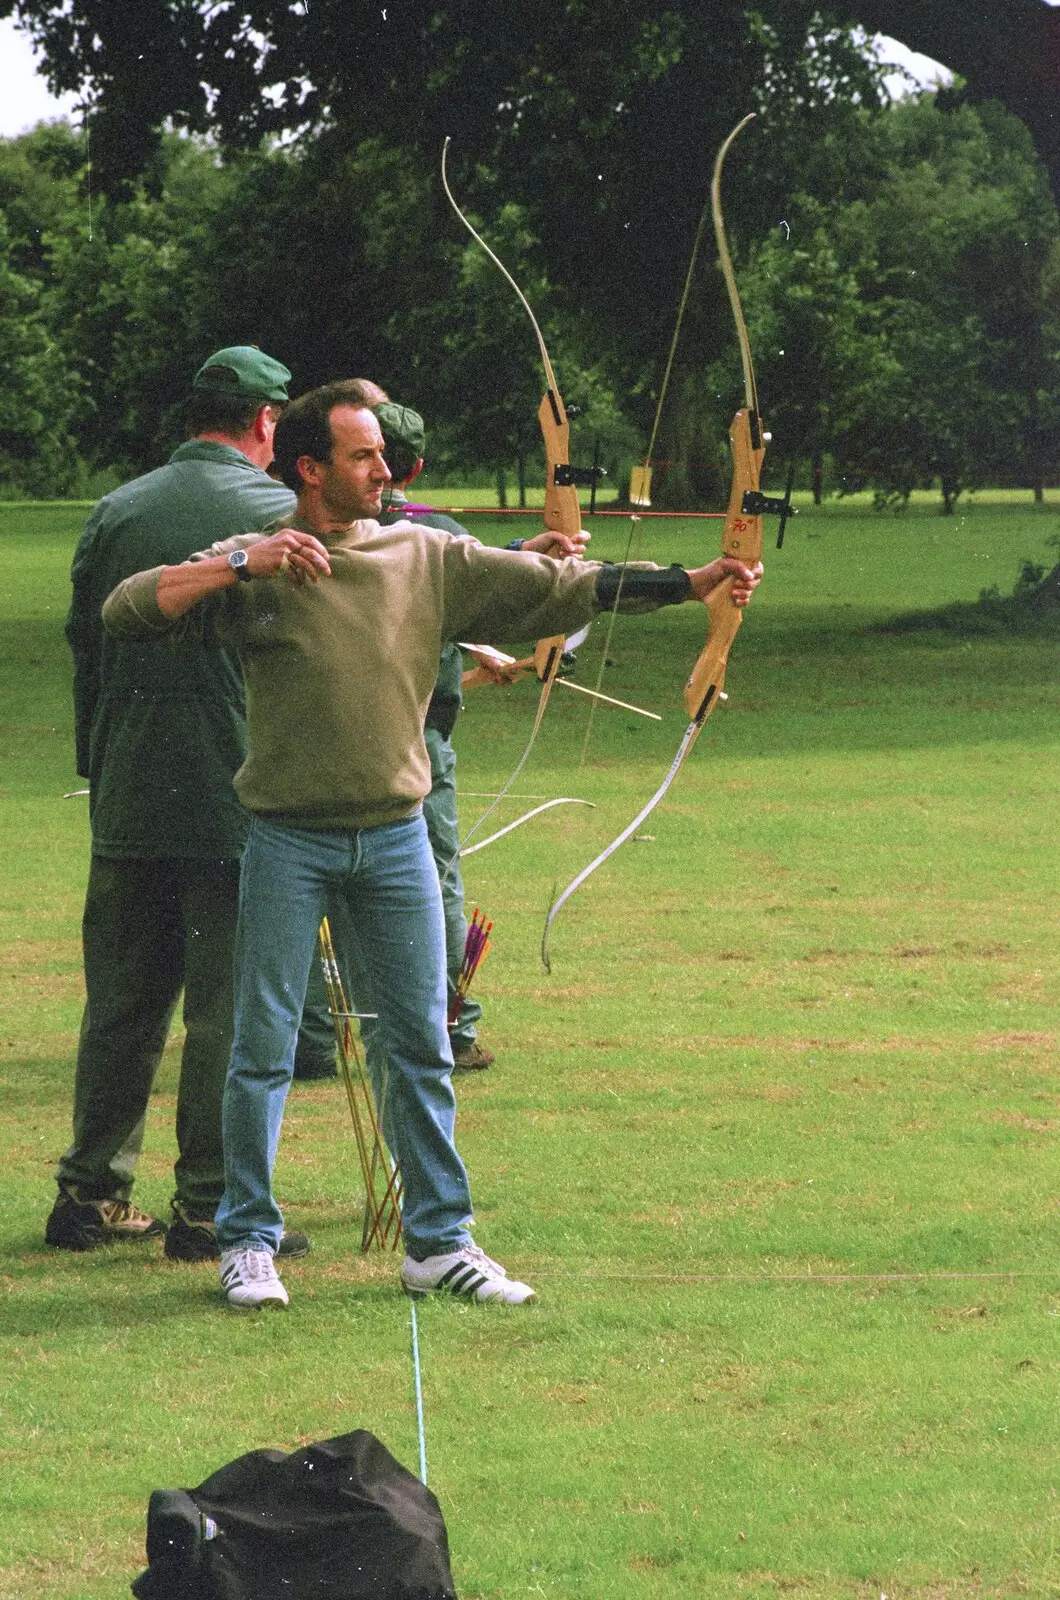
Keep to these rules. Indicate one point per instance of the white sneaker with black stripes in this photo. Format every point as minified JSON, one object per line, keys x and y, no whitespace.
{"x":468,"y":1273}
{"x":250,"y":1280}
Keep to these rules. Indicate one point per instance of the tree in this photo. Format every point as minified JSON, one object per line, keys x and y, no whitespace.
{"x":126,"y":294}
{"x":907,"y":328}
{"x":40,"y":174}
{"x":817,"y":350}
{"x":41,"y":397}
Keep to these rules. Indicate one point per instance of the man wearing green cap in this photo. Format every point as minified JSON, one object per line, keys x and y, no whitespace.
{"x":159,"y":733}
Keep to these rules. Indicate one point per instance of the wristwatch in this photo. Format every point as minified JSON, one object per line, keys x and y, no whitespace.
{"x":238,"y":563}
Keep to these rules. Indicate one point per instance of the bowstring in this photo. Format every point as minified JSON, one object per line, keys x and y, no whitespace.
{"x":634,"y":520}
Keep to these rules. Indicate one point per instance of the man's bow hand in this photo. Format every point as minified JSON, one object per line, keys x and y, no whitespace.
{"x":705,"y":580}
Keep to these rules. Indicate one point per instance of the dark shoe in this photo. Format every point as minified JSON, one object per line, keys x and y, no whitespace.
{"x":77,"y":1224}
{"x":311,"y":1070}
{"x":293,"y":1245}
{"x":191,"y":1240}
{"x":472,"y":1057}
{"x":188,"y":1240}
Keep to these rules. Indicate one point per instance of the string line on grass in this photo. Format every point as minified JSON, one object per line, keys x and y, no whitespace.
{"x":418,"y":1385}
{"x":796,"y":1277}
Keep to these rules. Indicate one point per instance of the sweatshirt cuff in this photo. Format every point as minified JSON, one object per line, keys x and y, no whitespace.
{"x":136,"y":597}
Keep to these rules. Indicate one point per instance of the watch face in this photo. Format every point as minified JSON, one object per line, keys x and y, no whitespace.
{"x":238,"y":562}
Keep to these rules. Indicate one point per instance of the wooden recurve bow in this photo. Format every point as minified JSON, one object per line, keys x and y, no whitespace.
{"x":742,"y":538}
{"x":562,"y":510}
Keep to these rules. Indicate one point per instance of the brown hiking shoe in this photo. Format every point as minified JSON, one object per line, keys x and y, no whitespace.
{"x":472,"y":1057}
{"x":77,"y":1224}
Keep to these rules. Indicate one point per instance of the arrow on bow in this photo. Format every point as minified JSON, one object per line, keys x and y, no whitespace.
{"x":562,"y":511}
{"x":742,"y":539}
{"x":514,"y":670}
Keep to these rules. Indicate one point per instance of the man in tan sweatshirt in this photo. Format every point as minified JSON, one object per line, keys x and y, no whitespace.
{"x":340,"y":658}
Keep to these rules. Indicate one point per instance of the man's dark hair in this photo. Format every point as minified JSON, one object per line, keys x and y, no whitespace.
{"x":205,"y":412}
{"x":305,"y":427}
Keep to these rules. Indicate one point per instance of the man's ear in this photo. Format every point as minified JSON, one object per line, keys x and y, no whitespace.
{"x":417,"y":469}
{"x":264,"y":423}
{"x":311,"y":471}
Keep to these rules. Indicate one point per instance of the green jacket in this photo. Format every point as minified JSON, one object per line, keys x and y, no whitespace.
{"x":161,"y":727}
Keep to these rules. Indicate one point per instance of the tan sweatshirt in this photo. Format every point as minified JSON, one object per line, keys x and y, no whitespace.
{"x":339,"y":673}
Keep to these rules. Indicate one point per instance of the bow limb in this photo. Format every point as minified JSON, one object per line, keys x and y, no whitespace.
{"x":528,"y":816}
{"x":691,"y":735}
{"x":725,"y":262}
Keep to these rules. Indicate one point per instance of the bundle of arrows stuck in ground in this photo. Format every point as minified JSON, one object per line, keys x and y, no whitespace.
{"x":476,"y":948}
{"x":382,"y":1178}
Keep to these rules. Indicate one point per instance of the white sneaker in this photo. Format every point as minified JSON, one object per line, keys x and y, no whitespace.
{"x":249,"y":1280}
{"x":468,"y":1272}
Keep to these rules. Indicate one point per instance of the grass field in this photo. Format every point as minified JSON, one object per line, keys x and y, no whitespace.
{"x":776,"y":1142}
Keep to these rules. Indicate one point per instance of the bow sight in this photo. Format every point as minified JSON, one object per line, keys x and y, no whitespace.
{"x":755,"y":504}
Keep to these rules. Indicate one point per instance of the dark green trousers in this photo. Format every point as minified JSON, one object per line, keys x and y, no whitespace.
{"x":152,"y":928}
{"x":443,"y":830}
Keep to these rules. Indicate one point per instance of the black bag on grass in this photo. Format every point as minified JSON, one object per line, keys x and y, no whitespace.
{"x":340,"y":1520}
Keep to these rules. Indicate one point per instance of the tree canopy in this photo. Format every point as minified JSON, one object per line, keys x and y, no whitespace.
{"x":899,"y":263}
{"x":912,"y":332}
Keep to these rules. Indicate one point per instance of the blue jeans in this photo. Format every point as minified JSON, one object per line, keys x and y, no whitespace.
{"x":388,"y":882}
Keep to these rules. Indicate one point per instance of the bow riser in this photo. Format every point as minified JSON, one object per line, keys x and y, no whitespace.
{"x":743,"y":533}
{"x":742,"y":539}
{"x":562,"y":511}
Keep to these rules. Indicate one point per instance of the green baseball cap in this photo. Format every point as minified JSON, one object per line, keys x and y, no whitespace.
{"x":243,"y":369}
{"x":401,"y":425}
